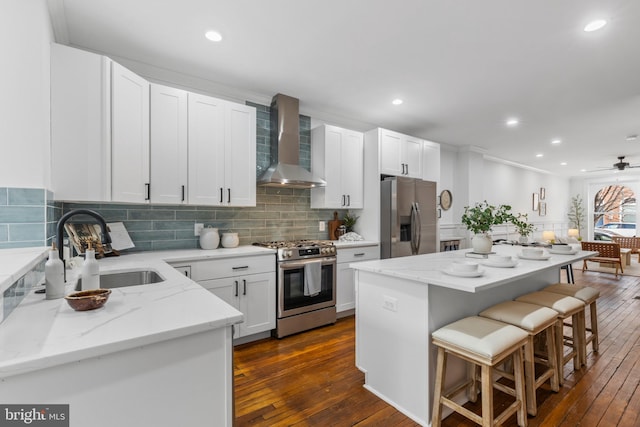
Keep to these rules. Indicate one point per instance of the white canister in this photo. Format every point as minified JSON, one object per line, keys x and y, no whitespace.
{"x":209,"y":238}
{"x":230,"y":240}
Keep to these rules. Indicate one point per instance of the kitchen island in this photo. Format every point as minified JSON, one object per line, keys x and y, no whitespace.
{"x":157,"y":354}
{"x":400,"y":301}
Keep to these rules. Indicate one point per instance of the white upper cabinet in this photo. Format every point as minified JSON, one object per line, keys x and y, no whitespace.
{"x":80,"y":125}
{"x":337,"y":155}
{"x":222,"y":152}
{"x":431,"y":161}
{"x":99,"y":129}
{"x":115,"y":137}
{"x":168,"y":136}
{"x":400,"y":155}
{"x":129,"y":136}
{"x":240,"y":154}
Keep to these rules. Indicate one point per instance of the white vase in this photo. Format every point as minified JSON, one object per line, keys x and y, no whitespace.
{"x":481,"y":243}
{"x":209,"y":238}
{"x":230,"y":240}
{"x":523,"y":239}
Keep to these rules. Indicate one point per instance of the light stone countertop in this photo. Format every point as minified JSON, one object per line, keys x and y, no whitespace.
{"x":43,"y":333}
{"x":429,"y":268}
{"x":14,"y":263}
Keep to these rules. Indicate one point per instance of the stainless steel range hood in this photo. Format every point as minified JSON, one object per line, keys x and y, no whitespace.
{"x":285,"y":170}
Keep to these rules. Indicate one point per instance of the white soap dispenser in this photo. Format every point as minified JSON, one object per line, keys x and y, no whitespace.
{"x":54,"y":275}
{"x":90,"y":270}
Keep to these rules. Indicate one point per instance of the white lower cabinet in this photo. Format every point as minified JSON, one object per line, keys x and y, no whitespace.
{"x":345,"y":293}
{"x":246,"y":283}
{"x":254,"y":295}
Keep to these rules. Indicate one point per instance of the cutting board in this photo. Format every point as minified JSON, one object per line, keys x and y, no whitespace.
{"x":333,"y":226}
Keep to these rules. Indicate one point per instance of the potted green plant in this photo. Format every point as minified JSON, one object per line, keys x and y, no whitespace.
{"x":480,"y":218}
{"x":523,"y":226}
{"x":349,"y":221}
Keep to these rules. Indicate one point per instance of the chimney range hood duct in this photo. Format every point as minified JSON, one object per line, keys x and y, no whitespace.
{"x":285,"y":170}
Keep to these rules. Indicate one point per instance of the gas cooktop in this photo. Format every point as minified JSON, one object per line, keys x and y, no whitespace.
{"x":291,"y":244}
{"x":299,"y":249}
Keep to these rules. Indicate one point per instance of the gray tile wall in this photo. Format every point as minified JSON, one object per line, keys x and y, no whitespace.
{"x":279,"y":214}
{"x":26,"y":215}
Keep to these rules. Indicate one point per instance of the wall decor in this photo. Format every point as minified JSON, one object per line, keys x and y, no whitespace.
{"x":535,"y":202}
{"x":542,"y":193}
{"x":446,"y":199}
{"x":543,"y":208}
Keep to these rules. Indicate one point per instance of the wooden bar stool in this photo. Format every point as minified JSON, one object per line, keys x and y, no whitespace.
{"x":588,"y":296}
{"x":487,"y":343}
{"x":566,"y":307}
{"x":534,"y":319}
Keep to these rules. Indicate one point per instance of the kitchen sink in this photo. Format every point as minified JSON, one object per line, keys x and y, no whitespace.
{"x":129,"y":278}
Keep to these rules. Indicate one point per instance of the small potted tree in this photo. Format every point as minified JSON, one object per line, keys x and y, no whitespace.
{"x":576,"y":214}
{"x":523,"y":226}
{"x":479,"y":220}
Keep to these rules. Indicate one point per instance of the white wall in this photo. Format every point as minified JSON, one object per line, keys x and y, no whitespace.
{"x":500,"y":182}
{"x":25,"y":37}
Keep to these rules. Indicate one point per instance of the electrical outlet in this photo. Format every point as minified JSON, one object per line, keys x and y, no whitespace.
{"x":197,"y":228}
{"x":321,"y":226}
{"x":390,"y":303}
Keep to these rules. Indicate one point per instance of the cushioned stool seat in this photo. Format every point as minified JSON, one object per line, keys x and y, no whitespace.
{"x":487,"y":343}
{"x":566,"y":307}
{"x":534,"y":319}
{"x":587,"y":295}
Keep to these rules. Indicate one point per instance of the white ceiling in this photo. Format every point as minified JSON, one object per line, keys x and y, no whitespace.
{"x":462,"y":67}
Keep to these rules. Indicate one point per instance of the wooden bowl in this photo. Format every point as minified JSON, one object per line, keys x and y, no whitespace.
{"x":88,"y":300}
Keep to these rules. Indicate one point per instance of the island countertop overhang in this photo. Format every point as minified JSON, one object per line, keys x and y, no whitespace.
{"x":429,"y":268}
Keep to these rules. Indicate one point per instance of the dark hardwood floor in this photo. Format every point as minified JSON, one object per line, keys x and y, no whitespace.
{"x":310,"y":379}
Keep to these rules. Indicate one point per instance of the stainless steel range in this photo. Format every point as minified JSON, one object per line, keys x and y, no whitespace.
{"x":306,"y":284}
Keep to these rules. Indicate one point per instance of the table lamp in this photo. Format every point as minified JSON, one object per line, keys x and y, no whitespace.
{"x":548,"y":236}
{"x":573,"y":232}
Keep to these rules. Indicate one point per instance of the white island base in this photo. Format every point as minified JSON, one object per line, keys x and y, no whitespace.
{"x":400,"y":301}
{"x":179,"y":382}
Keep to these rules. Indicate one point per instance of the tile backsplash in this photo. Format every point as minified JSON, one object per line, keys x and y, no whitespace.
{"x":279,"y":214}
{"x":27,"y":217}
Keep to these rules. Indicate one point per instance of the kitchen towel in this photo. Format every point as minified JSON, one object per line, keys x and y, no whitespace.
{"x":312,"y":278}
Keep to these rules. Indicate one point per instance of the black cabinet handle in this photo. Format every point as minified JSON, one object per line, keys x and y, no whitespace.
{"x":236,"y":282}
{"x":148,"y":191}
{"x":243,"y":267}
{"x":228,"y":195}
{"x":183,"y":193}
{"x":343,"y":200}
{"x":244,"y":282}
{"x":221,"y":194}
{"x":348,"y":200}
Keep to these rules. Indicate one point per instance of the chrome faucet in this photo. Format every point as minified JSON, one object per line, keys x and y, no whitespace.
{"x":60,"y":228}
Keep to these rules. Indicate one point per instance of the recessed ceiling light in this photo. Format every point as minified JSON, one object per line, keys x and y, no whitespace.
{"x":214,"y":36}
{"x":539,"y":155}
{"x":512,"y":122}
{"x":595,"y":25}
{"x":631,"y":137}
{"x":397,"y":101}
{"x":556,"y":141}
{"x":563,"y":164}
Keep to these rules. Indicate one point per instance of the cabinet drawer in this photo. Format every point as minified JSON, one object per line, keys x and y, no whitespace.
{"x":230,"y":267}
{"x":358,"y":254}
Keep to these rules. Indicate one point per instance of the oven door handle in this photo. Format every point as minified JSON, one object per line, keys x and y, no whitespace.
{"x":294,"y":265}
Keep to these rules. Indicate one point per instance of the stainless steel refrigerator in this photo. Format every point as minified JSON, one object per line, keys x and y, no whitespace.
{"x":408,"y":220}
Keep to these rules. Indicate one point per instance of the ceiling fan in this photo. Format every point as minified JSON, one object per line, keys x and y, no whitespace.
{"x":620,"y":165}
